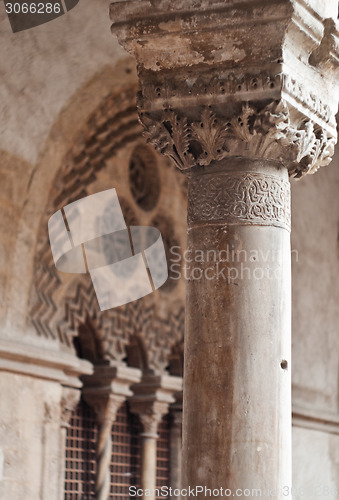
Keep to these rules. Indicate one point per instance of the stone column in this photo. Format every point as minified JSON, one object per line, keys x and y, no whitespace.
{"x":176,"y":444}
{"x":151,"y":401}
{"x":241,"y":95}
{"x":237,"y":353}
{"x":106,"y":391}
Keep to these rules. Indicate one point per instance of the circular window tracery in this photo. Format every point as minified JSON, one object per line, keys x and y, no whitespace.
{"x":144,"y":178}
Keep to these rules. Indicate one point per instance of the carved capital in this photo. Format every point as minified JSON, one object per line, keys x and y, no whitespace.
{"x":69,"y":400}
{"x":151,"y":400}
{"x":108,"y":388}
{"x":252,"y":132}
{"x":106,"y":406}
{"x":150,"y":417}
{"x":235,"y":78}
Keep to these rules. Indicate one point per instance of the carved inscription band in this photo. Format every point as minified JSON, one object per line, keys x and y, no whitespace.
{"x":240,"y":198}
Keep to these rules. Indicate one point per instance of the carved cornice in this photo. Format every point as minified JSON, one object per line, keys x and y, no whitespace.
{"x":218,"y":87}
{"x":312,"y":418}
{"x":43,"y":363}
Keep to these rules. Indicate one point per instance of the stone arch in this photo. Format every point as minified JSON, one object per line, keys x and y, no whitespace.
{"x":58,"y":305}
{"x":44,"y":178}
{"x":136,"y":355}
{"x":87,"y":344}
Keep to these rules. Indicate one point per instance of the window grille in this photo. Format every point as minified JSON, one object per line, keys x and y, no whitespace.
{"x":163,"y":446}
{"x":80,"y":454}
{"x":80,"y":465}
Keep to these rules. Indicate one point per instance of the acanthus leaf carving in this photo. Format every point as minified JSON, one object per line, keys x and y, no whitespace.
{"x":150,"y":415}
{"x":254,"y":132}
{"x":171,"y":138}
{"x":241,"y":126}
{"x":211,"y":134}
{"x":181,"y":142}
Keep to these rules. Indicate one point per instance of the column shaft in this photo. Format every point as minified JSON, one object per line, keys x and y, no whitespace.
{"x":176,"y":450}
{"x":149,"y":464}
{"x":237,"y":400}
{"x":104,"y":454}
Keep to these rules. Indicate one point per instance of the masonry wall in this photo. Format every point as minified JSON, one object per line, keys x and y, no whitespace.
{"x":315,"y":331}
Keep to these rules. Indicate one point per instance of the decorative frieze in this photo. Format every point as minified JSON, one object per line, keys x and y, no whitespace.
{"x":241,"y":198}
{"x":218,"y":87}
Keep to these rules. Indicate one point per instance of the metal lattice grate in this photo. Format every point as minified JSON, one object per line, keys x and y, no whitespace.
{"x":80,"y":465}
{"x":163,"y":453}
{"x":126,"y":454}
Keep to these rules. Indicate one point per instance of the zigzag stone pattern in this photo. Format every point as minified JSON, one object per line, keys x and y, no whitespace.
{"x":114,"y":328}
{"x":108,"y":130}
{"x":60,"y":305}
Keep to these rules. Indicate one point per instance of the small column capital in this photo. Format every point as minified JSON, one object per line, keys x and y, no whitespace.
{"x":235,"y":79}
{"x":69,"y":401}
{"x":150,"y":415}
{"x":151,"y":400}
{"x":108,"y":388}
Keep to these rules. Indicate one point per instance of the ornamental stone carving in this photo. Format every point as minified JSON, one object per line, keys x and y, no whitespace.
{"x":62,"y":306}
{"x":242,"y":198}
{"x":252,"y":132}
{"x":70,"y":399}
{"x":234,"y":78}
{"x":151,"y":400}
{"x":151,"y":416}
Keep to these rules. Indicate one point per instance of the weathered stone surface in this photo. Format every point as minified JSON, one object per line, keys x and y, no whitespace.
{"x":237,"y":394}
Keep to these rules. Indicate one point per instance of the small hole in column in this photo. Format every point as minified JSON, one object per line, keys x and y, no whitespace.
{"x":284,"y":364}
